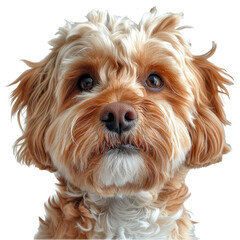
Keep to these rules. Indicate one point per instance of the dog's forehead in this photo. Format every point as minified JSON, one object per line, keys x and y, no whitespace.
{"x":118,"y":38}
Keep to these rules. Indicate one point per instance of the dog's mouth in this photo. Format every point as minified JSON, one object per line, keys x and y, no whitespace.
{"x":125,"y":147}
{"x":122,"y":148}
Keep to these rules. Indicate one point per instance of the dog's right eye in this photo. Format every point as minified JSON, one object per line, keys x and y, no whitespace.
{"x":86,"y":82}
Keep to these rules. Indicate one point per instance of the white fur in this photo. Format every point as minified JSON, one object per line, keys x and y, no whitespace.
{"x":121,"y":166}
{"x":124,"y":217}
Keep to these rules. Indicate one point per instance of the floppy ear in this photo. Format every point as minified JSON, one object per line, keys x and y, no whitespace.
{"x":208,"y":138}
{"x":34,"y":97}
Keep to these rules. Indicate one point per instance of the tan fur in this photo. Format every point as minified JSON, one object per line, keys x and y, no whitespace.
{"x":178,"y":128}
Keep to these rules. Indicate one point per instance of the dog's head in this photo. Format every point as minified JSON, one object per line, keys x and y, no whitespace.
{"x":118,"y":106}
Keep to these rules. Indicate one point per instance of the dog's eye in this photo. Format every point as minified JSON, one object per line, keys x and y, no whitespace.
{"x":154,"y":82}
{"x":86,"y":82}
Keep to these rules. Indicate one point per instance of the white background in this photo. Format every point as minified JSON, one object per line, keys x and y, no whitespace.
{"x":26,"y":27}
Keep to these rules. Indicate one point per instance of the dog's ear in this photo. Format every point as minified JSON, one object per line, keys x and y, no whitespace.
{"x":34,"y":99}
{"x":33,"y":95}
{"x":154,"y":25}
{"x":207,"y":134}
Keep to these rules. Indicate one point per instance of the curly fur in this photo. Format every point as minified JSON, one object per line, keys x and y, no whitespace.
{"x":105,"y":192}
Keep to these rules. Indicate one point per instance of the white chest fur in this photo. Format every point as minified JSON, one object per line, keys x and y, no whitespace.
{"x":124,"y":217}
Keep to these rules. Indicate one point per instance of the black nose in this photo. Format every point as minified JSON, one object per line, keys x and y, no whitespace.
{"x":118,"y":117}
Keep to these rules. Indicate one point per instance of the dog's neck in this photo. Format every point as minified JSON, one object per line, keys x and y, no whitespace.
{"x":147,"y":214}
{"x":133,"y":216}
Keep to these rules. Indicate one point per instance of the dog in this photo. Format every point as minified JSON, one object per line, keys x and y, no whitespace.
{"x":120,"y":112}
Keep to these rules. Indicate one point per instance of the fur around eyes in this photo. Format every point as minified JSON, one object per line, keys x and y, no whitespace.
{"x":120,"y":112}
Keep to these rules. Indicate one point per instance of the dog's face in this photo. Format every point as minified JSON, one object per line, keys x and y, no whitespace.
{"x":118,"y":106}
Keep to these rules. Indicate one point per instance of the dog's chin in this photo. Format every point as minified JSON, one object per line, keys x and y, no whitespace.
{"x":120,"y":166}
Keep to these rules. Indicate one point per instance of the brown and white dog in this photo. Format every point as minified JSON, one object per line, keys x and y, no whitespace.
{"x":120,"y":112}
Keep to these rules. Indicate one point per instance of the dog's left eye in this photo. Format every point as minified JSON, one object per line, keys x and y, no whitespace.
{"x":86,"y":82}
{"x":154,"y":82}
